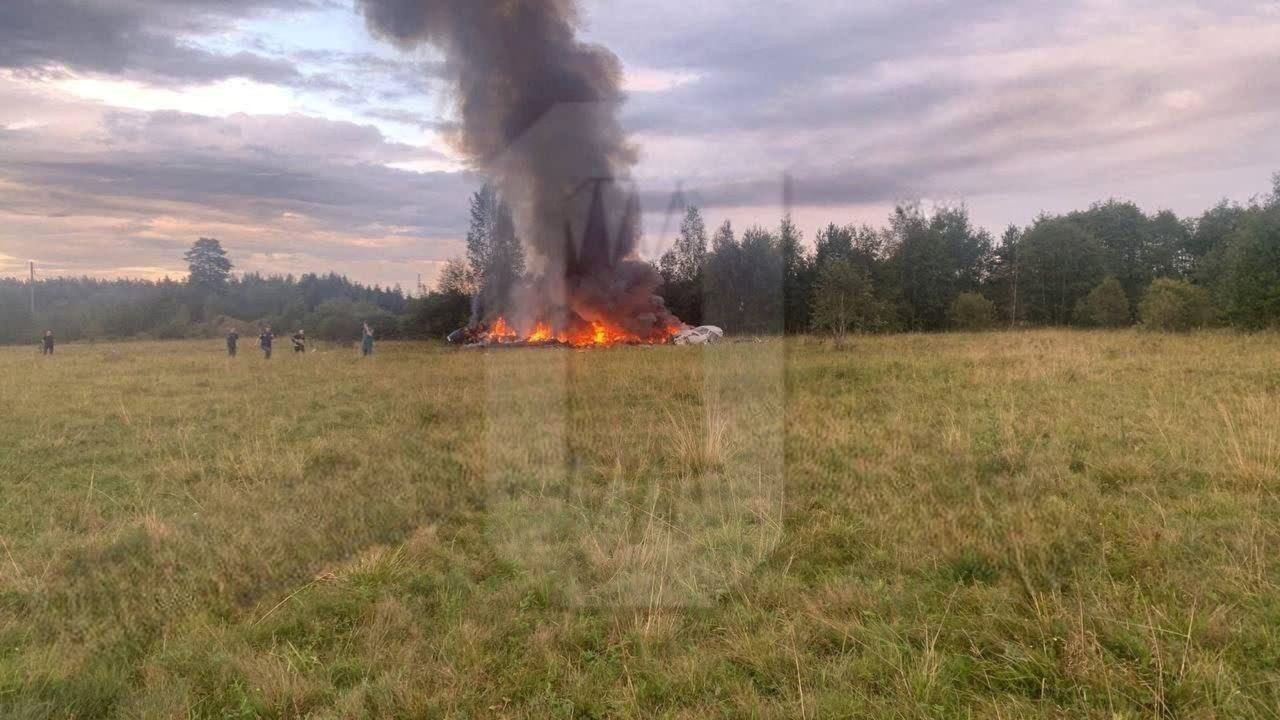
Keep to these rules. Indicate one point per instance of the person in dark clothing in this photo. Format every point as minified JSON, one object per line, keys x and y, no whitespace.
{"x":233,"y":339}
{"x":47,"y":347}
{"x":264,"y":341}
{"x":299,"y":342}
{"x":366,"y":341}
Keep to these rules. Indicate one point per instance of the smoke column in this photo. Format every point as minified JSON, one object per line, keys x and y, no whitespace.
{"x":539,"y":117}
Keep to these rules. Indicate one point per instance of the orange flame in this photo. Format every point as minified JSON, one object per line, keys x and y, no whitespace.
{"x":541,"y":333}
{"x":597,"y":334}
{"x":502,"y":330}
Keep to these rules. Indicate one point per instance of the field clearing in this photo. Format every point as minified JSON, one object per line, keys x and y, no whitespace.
{"x":1046,"y":524}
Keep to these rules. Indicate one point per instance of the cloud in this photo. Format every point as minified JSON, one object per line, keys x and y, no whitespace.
{"x":871,"y":103}
{"x":153,"y":40}
{"x":414,"y":119}
{"x":80,"y":181}
{"x":166,"y":46}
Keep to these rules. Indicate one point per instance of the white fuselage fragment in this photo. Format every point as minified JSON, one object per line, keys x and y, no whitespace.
{"x":700,"y":335}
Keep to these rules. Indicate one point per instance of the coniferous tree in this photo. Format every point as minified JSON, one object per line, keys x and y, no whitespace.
{"x":797,"y":277}
{"x":208,"y":264}
{"x":722,"y":304}
{"x":494,"y":253}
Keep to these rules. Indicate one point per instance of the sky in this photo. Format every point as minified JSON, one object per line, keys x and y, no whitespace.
{"x":284,"y":128}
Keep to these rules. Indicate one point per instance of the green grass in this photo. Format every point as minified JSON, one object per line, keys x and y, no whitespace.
{"x":1031,"y":525}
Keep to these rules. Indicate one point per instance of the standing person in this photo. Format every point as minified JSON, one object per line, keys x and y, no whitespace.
{"x":233,"y":339}
{"x":366,"y":341}
{"x":299,"y":342}
{"x":264,"y":341}
{"x":46,"y":347}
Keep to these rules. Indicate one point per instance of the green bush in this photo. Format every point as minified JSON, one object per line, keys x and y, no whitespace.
{"x":1175,"y":306}
{"x":1105,"y":306}
{"x":971,"y":311}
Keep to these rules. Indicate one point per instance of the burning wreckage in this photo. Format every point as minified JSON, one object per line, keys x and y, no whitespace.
{"x":539,"y":119}
{"x":584,"y":335}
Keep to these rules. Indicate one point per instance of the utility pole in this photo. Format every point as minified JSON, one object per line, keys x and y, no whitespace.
{"x":32,"y":286}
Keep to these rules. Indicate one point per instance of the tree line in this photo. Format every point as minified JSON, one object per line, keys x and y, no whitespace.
{"x":1112,"y":265}
{"x":206,"y":304}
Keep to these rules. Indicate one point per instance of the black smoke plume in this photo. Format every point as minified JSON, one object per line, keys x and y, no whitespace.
{"x":539,"y":116}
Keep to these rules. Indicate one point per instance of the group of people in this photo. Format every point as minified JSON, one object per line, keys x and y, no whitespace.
{"x":299,"y":340}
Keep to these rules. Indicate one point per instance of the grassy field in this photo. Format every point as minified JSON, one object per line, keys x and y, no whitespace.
{"x":1031,"y":525}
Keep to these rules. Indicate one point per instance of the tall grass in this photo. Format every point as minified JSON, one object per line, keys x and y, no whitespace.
{"x":1043,"y":524}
